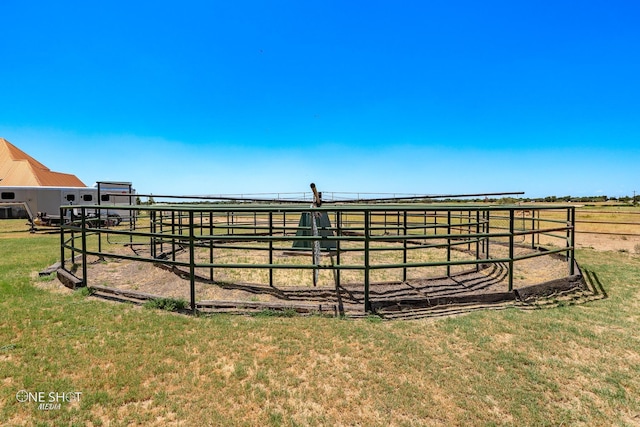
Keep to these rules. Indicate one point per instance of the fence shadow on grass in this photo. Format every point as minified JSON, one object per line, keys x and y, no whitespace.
{"x":594,"y":284}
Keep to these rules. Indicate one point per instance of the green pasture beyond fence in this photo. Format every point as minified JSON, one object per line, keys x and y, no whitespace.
{"x":277,"y":229}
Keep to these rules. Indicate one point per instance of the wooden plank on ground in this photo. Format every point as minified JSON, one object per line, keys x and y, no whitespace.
{"x":68,"y":279}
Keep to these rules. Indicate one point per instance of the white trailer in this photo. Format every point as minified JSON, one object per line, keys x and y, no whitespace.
{"x":43,"y":203}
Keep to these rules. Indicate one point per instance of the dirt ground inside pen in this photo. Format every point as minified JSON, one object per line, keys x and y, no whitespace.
{"x":430,"y":286}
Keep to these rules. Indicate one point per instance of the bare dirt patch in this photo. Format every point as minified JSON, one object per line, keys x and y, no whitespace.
{"x":425,"y":287}
{"x":603,"y":242}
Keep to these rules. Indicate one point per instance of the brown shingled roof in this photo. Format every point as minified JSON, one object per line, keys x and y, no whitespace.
{"x":18,"y":169}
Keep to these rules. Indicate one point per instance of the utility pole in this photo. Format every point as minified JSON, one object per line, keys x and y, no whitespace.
{"x":634,"y":198}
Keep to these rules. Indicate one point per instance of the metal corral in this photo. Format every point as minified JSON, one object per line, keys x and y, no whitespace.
{"x":400,"y":230}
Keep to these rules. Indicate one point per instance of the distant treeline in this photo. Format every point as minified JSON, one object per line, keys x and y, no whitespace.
{"x":551,"y":199}
{"x":628,"y":200}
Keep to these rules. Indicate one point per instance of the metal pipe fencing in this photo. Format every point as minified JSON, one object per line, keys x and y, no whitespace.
{"x":360,"y":243}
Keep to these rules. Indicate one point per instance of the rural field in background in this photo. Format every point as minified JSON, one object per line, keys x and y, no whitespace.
{"x":568,"y":364}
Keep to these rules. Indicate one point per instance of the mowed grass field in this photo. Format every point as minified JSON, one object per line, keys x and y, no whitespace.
{"x":565,"y":365}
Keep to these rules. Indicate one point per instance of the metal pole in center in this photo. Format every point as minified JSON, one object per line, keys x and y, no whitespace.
{"x":316,"y":248}
{"x":317,"y":202}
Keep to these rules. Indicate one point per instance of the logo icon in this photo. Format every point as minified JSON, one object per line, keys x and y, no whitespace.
{"x":22,"y":396}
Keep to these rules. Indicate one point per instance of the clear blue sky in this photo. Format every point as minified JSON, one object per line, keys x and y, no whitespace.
{"x":426,"y":97}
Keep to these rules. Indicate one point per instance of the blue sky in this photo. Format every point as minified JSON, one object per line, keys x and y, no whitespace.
{"x":421,"y":97}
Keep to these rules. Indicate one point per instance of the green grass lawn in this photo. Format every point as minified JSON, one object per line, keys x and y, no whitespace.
{"x":568,"y":365}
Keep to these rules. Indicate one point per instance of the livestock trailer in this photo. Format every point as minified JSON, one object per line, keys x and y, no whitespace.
{"x":43,"y":203}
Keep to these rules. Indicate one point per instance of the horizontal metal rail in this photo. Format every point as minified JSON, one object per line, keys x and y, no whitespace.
{"x":367,"y":232}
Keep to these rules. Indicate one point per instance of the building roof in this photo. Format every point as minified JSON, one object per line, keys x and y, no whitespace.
{"x":18,"y":169}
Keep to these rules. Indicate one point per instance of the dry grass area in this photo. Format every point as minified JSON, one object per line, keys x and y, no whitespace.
{"x":574,"y":364}
{"x":620,"y":225}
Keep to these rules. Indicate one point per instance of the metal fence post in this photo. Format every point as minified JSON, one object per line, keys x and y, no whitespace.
{"x":404,"y":248}
{"x":477,"y":240}
{"x":271,"y":248}
{"x":153,"y":240}
{"x":572,"y":224}
{"x":192,"y":267}
{"x":211,"y":245}
{"x":533,"y":229}
{"x":488,"y":239}
{"x":339,"y":235}
{"x":511,"y":249}
{"x":367,"y":236}
{"x":468,"y":230}
{"x":99,"y":225}
{"x":84,"y":245}
{"x":448,"y":243}
{"x":61,"y":239}
{"x":173,"y":239}
{"x":315,"y":245}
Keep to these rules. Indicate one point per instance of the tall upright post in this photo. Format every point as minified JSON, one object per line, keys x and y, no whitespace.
{"x":211,"y":245}
{"x":533,"y":229}
{"x":173,"y":232}
{"x":99,"y":225}
{"x":315,"y":249}
{"x":317,"y":202}
{"x":404,"y":249}
{"x":424,"y":218}
{"x":62,"y":239}
{"x":572,"y":239}
{"x":153,"y":228}
{"x":488,"y":230}
{"x":84,"y":245}
{"x":468,"y":230}
{"x":477,"y":240}
{"x":192,"y":267}
{"x":568,"y":239}
{"x":511,"y":249}
{"x":367,"y":236}
{"x":161,"y":221}
{"x":271,"y":248}
{"x":339,"y":234}
{"x":132,"y":214}
{"x":448,"y":243}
